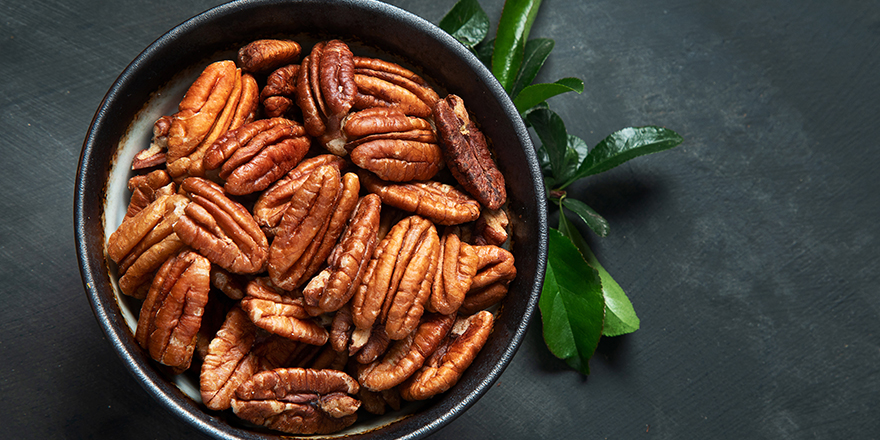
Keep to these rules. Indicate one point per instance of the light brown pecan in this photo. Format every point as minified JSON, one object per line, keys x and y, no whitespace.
{"x":325,"y":90}
{"x":407,"y":355}
{"x":279,"y":93}
{"x":385,"y":84}
{"x":491,"y":228}
{"x":467,"y":153}
{"x":439,"y":202}
{"x":270,"y":206}
{"x":171,"y":314}
{"x":229,"y":362}
{"x":495,"y":271}
{"x":392,"y":145}
{"x":298,"y":400}
{"x":221,"y":229}
{"x":335,"y":286}
{"x":144,"y":241}
{"x":310,"y":226}
{"x":220,"y":99}
{"x":458,"y":265}
{"x":255,"y":155}
{"x":398,"y":280}
{"x":146,"y":188}
{"x":154,"y":155}
{"x":281,"y":315}
{"x":367,"y":346}
{"x":451,"y":359}
{"x":265,"y":55}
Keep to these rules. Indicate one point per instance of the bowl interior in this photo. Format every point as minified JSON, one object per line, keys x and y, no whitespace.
{"x":153,"y":84}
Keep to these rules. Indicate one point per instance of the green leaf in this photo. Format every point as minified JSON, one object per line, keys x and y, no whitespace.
{"x":579,"y":146}
{"x":624,"y":145}
{"x":516,"y":21}
{"x":554,"y":139}
{"x":572,"y":306}
{"x":467,"y":22}
{"x":534,"y":55}
{"x":595,"y":221}
{"x":484,"y":51}
{"x":620,"y":316}
{"x":537,"y":93}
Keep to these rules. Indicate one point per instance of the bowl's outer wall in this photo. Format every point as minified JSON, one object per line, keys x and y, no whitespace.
{"x":394,"y":31}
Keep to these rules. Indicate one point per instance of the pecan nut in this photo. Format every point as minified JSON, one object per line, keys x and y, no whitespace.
{"x":377,"y":402}
{"x":154,"y":155}
{"x":467,"y":153}
{"x":279,"y":93}
{"x":298,"y":400}
{"x":392,"y":145}
{"x":495,"y":271}
{"x":229,"y":361}
{"x":491,"y":228}
{"x":221,"y":229}
{"x":446,"y":365}
{"x":310,"y":226}
{"x":399,"y":277}
{"x":265,"y":55}
{"x":436,"y":201}
{"x":456,"y":271}
{"x":171,"y":314}
{"x":255,"y":155}
{"x":385,"y":84}
{"x":220,"y":99}
{"x":325,"y":90}
{"x":281,"y":315}
{"x":146,"y":188}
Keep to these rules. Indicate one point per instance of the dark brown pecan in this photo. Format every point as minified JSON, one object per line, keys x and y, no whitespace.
{"x":368,"y":346}
{"x":146,"y":188}
{"x":265,"y":55}
{"x":335,"y":286}
{"x":310,"y":226}
{"x":298,"y":400}
{"x":255,"y":155}
{"x":451,"y":359}
{"x":155,"y":154}
{"x":386,"y":84}
{"x":458,"y":265}
{"x":232,"y":285}
{"x":325,"y":90}
{"x":144,"y":241}
{"x":270,"y":207}
{"x":219,"y":100}
{"x":171,"y":314}
{"x":439,"y":202}
{"x":229,"y":362}
{"x":495,"y":271}
{"x":467,"y":154}
{"x":491,"y":228}
{"x":328,"y":359}
{"x":392,"y":145}
{"x":279,"y":93}
{"x":398,"y":280}
{"x":281,"y":315}
{"x":407,"y":355}
{"x":221,"y":229}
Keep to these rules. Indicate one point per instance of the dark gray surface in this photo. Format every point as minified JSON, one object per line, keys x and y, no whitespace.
{"x":749,"y":252}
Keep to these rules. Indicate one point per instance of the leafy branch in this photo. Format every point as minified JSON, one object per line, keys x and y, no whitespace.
{"x":580,"y":301}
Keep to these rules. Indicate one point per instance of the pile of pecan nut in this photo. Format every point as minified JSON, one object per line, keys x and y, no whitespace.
{"x":314,"y":236}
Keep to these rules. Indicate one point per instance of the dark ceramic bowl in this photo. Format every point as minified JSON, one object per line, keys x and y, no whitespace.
{"x":153,"y":84}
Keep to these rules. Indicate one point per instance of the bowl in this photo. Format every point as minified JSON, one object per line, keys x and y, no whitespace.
{"x":152,"y":86}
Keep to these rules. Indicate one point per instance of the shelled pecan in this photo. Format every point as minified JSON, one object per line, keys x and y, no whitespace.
{"x":436,"y":201}
{"x":455,"y":273}
{"x":325,"y":90}
{"x":495,"y":271}
{"x":267,"y":54}
{"x":281,"y":315}
{"x":154,"y":155}
{"x":229,"y":361}
{"x":385,"y":84}
{"x":491,"y":227}
{"x":279,"y":94}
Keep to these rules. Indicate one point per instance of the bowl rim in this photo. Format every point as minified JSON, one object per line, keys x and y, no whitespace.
{"x":115,"y":328}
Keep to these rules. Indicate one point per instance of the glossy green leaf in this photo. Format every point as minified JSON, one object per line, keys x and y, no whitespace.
{"x":554,"y":139}
{"x":624,"y":145}
{"x":580,"y":148}
{"x":595,"y":221}
{"x":534,"y":55}
{"x":510,"y":39}
{"x":467,"y":22}
{"x":620,"y":316}
{"x":571,"y":304}
{"x":535,"y":94}
{"x":484,"y":50}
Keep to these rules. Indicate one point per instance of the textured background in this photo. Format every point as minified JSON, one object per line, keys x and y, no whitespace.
{"x":749,"y":252}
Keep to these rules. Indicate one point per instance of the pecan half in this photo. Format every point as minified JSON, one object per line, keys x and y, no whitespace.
{"x":392,"y":145}
{"x":229,"y":362}
{"x":279,"y":93}
{"x":439,"y":202}
{"x":281,"y":315}
{"x":451,"y":359}
{"x":232,"y":285}
{"x":255,"y":155}
{"x":491,"y":228}
{"x":146,"y":188}
{"x":332,"y":289}
{"x":385,"y":84}
{"x":495,"y":271}
{"x":467,"y":154}
{"x":398,"y":280}
{"x":221,"y":229}
{"x":407,"y":355}
{"x":310,"y":226}
{"x":155,"y":154}
{"x":273,"y":351}
{"x":220,"y":99}
{"x":265,"y":55}
{"x":171,"y":314}
{"x":456,"y":270}
{"x":298,"y":400}
{"x":325,"y":90}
